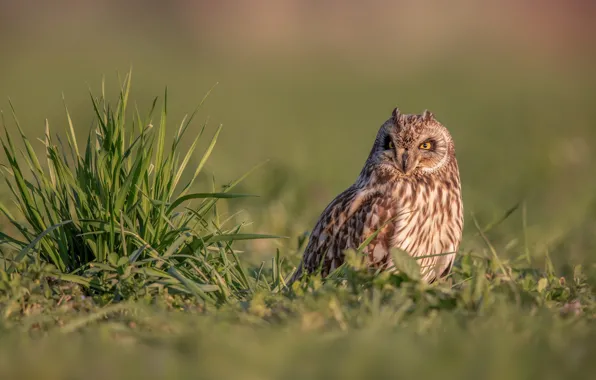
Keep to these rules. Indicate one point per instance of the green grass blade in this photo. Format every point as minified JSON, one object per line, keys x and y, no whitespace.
{"x":183,"y":164}
{"x":188,"y":197}
{"x":72,"y":139}
{"x":33,"y":243}
{"x":234,"y":237}
{"x":191,"y":286}
{"x":204,"y":159}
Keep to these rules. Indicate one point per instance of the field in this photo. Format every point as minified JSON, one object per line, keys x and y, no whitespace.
{"x":122,"y":270}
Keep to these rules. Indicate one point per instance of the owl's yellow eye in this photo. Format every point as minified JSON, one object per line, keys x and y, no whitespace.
{"x":391,"y":146}
{"x":426,"y":145}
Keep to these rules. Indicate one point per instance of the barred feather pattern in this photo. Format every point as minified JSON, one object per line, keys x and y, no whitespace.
{"x":411,"y":197}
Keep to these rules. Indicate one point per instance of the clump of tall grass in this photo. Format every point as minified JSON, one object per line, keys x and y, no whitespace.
{"x":114,"y":216}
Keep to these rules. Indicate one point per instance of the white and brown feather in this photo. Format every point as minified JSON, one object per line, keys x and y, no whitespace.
{"x":416,"y":200}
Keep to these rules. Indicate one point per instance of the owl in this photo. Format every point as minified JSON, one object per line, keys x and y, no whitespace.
{"x":408,"y":193}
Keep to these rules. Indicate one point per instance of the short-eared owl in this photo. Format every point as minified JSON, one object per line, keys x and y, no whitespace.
{"x":409,"y":189}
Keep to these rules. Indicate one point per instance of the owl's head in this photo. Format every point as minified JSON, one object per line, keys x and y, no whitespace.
{"x":411,"y":145}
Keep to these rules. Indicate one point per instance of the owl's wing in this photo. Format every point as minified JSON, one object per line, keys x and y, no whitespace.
{"x":347,"y":222}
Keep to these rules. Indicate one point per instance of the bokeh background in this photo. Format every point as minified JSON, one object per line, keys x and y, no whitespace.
{"x":306,"y":84}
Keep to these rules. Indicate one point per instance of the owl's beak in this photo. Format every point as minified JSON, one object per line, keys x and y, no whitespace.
{"x":405,"y":163}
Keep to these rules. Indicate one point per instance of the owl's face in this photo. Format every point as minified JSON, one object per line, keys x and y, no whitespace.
{"x":409,"y":145}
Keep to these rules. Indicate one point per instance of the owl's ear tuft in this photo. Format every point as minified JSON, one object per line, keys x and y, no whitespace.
{"x":395,"y":115}
{"x":427,"y":115}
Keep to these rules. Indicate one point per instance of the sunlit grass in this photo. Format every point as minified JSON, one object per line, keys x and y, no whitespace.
{"x":113,"y":215}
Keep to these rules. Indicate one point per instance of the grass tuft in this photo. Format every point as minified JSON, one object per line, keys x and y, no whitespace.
{"x":114,"y":215}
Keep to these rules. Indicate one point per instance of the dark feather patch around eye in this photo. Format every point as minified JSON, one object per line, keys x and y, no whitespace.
{"x":387,"y":143}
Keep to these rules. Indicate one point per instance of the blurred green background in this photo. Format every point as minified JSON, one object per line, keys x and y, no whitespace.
{"x":307,"y":84}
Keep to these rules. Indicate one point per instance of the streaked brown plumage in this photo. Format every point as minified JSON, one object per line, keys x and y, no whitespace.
{"x":410,"y":189}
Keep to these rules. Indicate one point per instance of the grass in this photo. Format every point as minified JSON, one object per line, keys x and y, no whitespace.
{"x":114,"y":217}
{"x":119,"y":268}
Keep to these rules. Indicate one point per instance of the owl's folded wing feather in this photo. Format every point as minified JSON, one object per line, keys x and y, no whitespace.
{"x":347,"y":222}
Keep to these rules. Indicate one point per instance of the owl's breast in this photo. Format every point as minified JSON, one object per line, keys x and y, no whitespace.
{"x":429,"y":223}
